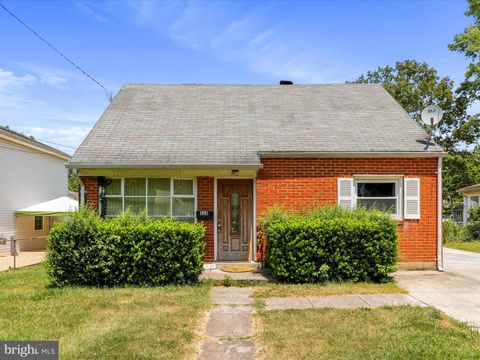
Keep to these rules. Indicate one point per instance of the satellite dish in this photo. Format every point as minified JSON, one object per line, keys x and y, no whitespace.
{"x":432,"y":115}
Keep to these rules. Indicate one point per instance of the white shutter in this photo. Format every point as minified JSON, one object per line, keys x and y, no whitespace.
{"x":345,"y":193}
{"x":411,"y":198}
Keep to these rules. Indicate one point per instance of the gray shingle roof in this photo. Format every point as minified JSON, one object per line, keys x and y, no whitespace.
{"x":150,"y":125}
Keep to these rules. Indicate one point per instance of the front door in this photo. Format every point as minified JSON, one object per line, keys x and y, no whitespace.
{"x":235,"y":219}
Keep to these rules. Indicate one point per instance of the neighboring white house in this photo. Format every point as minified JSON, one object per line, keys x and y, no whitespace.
{"x":471,"y":199}
{"x":30,"y":173}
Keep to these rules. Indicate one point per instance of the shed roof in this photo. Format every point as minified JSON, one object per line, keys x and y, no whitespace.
{"x":470,"y":189}
{"x":59,"y":206}
{"x":221,"y":125}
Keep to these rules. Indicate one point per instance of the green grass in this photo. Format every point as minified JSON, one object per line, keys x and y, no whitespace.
{"x":264,"y":289}
{"x":381,"y":333}
{"x":267,"y":290}
{"x":464,"y":245}
{"x":128,"y":323}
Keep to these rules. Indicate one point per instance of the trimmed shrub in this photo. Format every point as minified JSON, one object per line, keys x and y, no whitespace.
{"x":330,"y":244}
{"x":87,"y":250}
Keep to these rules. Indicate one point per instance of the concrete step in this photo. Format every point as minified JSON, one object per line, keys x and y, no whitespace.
{"x":237,"y":264}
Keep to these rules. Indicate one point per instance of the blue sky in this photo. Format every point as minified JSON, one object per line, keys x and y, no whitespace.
{"x":202,"y":42}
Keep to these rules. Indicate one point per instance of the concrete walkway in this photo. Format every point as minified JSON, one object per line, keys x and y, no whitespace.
{"x":25,"y":258}
{"x":455,"y":291}
{"x":341,"y":301}
{"x":229,"y":325}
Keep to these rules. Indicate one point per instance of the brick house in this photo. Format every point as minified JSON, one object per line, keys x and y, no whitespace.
{"x":224,"y":154}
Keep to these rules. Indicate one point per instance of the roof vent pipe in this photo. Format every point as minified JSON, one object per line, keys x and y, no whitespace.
{"x":286,"y":82}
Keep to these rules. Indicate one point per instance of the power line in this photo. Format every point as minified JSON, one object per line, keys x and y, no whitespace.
{"x":107,"y":93}
{"x":54,"y":143}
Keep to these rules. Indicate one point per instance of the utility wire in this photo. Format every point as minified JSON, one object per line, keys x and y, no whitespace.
{"x":54,"y":143}
{"x":107,"y":92}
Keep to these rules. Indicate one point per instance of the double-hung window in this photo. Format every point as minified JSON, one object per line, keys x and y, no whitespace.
{"x":378,"y":194}
{"x":113,"y":197}
{"x":159,"y":197}
{"x":397,"y":195}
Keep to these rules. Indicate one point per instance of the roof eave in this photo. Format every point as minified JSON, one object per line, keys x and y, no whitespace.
{"x":34,"y":145}
{"x":161,"y":166}
{"x":350,"y":154}
{"x":468,"y":189}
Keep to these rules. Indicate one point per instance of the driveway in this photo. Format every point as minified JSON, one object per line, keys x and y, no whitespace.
{"x":25,"y":258}
{"x":455,"y":291}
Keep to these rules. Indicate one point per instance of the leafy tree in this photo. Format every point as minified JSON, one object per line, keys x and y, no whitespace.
{"x":468,"y":43}
{"x":460,"y":169}
{"x":415,"y":85}
{"x":72,"y":182}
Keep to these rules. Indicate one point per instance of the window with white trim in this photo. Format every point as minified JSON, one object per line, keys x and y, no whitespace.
{"x":159,"y":197}
{"x":378,"y":194}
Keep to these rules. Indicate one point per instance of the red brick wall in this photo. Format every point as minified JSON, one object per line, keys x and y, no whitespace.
{"x":205,"y":201}
{"x":304,"y":183}
{"x":91,"y":191}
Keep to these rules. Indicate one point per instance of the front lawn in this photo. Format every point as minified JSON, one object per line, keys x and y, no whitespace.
{"x":381,"y":333}
{"x":92,"y":323}
{"x":267,"y":290}
{"x":473,"y":245}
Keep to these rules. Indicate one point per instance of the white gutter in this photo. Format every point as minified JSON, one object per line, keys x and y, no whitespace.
{"x":350,"y":154}
{"x":439,"y":217}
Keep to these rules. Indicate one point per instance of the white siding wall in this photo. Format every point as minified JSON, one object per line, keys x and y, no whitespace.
{"x":27,"y":178}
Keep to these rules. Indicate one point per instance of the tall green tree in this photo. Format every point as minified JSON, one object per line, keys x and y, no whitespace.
{"x":415,"y":85}
{"x":468,"y":44}
{"x":460,"y":169}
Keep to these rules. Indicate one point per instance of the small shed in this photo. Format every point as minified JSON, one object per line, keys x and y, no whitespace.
{"x":471,"y":199}
{"x":33,"y":223}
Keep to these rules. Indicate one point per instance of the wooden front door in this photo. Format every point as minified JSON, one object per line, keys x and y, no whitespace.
{"x":235,"y":219}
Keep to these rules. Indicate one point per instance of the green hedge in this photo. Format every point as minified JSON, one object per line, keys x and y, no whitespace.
{"x":87,"y":250}
{"x":454,"y":232}
{"x":330,"y":244}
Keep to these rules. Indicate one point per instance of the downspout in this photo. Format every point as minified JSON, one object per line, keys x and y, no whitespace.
{"x":439,"y":217}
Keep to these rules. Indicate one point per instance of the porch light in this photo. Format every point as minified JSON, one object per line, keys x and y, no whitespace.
{"x":235,"y":172}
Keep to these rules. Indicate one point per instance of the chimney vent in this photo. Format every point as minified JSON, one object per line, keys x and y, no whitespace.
{"x":286,"y":82}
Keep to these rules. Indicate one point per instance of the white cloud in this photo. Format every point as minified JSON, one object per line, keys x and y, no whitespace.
{"x":8,"y":80}
{"x":274,"y":51}
{"x":68,"y":136}
{"x":44,"y":103}
{"x":52,"y":79}
{"x":89,"y":8}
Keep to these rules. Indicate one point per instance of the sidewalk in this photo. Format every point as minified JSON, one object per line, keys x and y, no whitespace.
{"x":229,"y":326}
{"x":341,"y":301}
{"x":229,"y":329}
